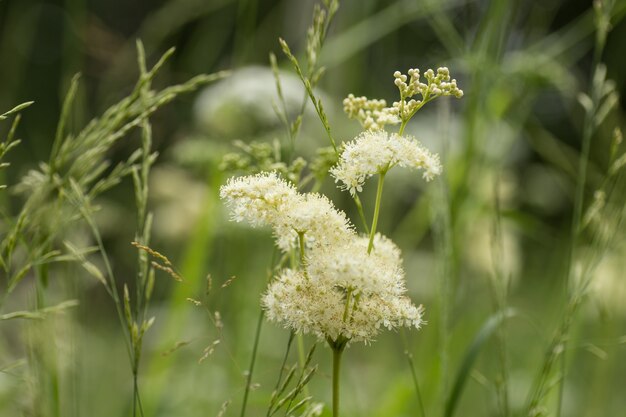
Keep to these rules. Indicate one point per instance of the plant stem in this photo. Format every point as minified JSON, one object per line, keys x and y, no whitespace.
{"x":499,"y":290}
{"x":576,"y":226}
{"x":336,"y":366}
{"x":409,"y":357}
{"x":301,"y":241}
{"x":406,"y":121}
{"x":257,"y":336}
{"x":379,"y":194}
{"x":348,"y":297}
{"x":402,"y":126}
{"x":302,"y":359}
{"x":359,"y":208}
{"x":337,"y":346}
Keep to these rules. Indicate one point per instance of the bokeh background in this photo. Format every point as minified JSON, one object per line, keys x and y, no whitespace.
{"x":510,"y":147}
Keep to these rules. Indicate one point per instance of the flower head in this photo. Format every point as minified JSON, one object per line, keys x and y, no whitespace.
{"x":316,"y":218}
{"x":260,"y":199}
{"x":314,"y":306}
{"x":267,"y":200}
{"x":351,"y":268}
{"x":376,"y":152}
{"x":344,"y":292}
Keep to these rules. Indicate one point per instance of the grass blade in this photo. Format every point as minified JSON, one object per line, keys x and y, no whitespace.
{"x":483,"y":335}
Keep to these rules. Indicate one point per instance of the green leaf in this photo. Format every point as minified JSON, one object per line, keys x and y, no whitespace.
{"x":474,"y":349}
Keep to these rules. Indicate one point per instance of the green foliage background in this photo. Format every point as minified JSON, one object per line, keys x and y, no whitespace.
{"x":510,"y":150}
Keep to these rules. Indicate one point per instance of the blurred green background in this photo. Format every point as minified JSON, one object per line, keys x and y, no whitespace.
{"x":515,"y":135}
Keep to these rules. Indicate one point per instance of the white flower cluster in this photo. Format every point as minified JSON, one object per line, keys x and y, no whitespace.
{"x":344,"y":292}
{"x":376,"y":152}
{"x":266,"y":199}
{"x":372,"y":114}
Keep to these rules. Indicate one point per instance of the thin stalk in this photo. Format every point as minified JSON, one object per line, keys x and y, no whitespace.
{"x":409,"y":358}
{"x":336,"y":367}
{"x":445,"y":248}
{"x":301,"y":354}
{"x":280,"y":374}
{"x":406,"y":121}
{"x":257,"y":336}
{"x":255,"y":346}
{"x":359,"y":208}
{"x":301,"y":244}
{"x":137,"y":398}
{"x":402,"y":126}
{"x":348,"y":297}
{"x":302,"y":359}
{"x":601,"y":33}
{"x":111,"y":287}
{"x":499,"y":290}
{"x":379,"y":194}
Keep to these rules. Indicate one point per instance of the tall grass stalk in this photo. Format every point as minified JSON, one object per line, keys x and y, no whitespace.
{"x":575,"y":291}
{"x":499,"y":291}
{"x":445,"y":253}
{"x":64,"y":190}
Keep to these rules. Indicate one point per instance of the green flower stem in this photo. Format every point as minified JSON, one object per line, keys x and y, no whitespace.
{"x":337,"y":346}
{"x":301,"y":241}
{"x":345,"y":311}
{"x":402,"y":126}
{"x":336,"y":366}
{"x":359,"y":208}
{"x":301,"y":353}
{"x":405,"y":121}
{"x":379,"y":194}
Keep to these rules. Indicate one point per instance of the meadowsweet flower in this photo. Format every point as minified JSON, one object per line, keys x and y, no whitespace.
{"x":259,"y":199}
{"x":267,"y":200}
{"x":316,"y":218}
{"x":376,"y":152}
{"x":344,"y":292}
{"x":309,"y":305}
{"x":351,"y":268}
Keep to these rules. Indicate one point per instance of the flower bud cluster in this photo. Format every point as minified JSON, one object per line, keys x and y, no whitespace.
{"x":438,"y":84}
{"x":372,"y":114}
